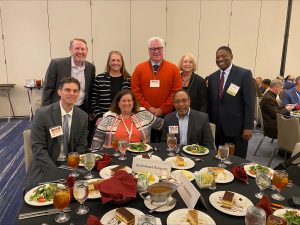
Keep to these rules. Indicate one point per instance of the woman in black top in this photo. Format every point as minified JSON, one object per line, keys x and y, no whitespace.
{"x":108,"y":84}
{"x":193,"y":83}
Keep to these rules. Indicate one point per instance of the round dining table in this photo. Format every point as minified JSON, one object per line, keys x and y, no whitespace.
{"x":98,"y":209}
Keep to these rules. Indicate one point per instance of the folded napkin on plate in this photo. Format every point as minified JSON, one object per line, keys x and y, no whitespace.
{"x":239,"y":173}
{"x":264,"y":203}
{"x":93,"y":220}
{"x":103,"y":162}
{"x":120,"y":187}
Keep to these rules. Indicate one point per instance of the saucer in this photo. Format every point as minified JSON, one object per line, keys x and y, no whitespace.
{"x":164,"y":208}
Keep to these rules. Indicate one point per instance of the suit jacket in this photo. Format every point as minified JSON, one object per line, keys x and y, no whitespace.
{"x":290,"y":97}
{"x":57,"y":70}
{"x":232,"y":113}
{"x":288,"y":85}
{"x":199,"y":130}
{"x":269,"y":108}
{"x":45,"y":149}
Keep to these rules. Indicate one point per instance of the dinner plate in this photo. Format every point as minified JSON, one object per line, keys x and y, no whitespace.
{"x":34,"y":203}
{"x":189,"y":175}
{"x":153,"y":157}
{"x":97,"y":156}
{"x":179,"y":217}
{"x":240,"y":205}
{"x":219,"y":179}
{"x":96,"y":193}
{"x":281,"y":212}
{"x":149,"y":204}
{"x":193,"y":153}
{"x":105,"y":173}
{"x":188,"y":163}
{"x":148,"y":147}
{"x":295,"y":113}
{"x":108,"y":217}
{"x":247,"y":169}
{"x":152,"y":179}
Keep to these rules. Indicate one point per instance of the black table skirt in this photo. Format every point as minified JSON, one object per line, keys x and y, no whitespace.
{"x":98,"y":209}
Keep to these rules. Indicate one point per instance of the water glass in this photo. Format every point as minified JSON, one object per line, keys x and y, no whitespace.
{"x":61,"y":200}
{"x":255,"y":216}
{"x":89,"y":163}
{"x":263,"y":181}
{"x":223,"y":153}
{"x":73,"y":162}
{"x":123,"y":145}
{"x":280,"y":180}
{"x":171,"y":142}
{"x":81,"y":192}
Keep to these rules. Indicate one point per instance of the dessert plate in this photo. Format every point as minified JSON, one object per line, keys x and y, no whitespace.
{"x":188,"y":163}
{"x":219,"y":179}
{"x":189,"y":175}
{"x":153,"y":157}
{"x":150,"y":205}
{"x":110,"y":215}
{"x":105,"y":173}
{"x":95,"y":193}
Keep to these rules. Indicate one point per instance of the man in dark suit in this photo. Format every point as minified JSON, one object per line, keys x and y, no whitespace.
{"x":190,"y":126}
{"x":49,"y":147}
{"x":292,"y":96}
{"x":231,"y":102}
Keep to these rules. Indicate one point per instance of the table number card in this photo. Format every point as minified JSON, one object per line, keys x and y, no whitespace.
{"x":151,"y":166}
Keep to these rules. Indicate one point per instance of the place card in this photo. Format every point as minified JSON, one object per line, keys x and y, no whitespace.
{"x":151,"y":166}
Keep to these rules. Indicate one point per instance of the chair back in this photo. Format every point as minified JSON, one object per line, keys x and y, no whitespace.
{"x":213,"y":129}
{"x":295,"y":151}
{"x":27,"y":148}
{"x":288,"y":132}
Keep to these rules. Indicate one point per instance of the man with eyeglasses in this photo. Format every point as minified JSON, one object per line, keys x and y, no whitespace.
{"x":189,"y":126}
{"x":155,"y":81}
{"x":56,"y":130}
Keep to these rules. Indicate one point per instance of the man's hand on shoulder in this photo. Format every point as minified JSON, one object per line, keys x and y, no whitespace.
{"x":247,"y":134}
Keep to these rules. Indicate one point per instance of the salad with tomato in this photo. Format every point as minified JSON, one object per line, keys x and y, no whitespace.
{"x":44,"y":193}
{"x":254,"y":169}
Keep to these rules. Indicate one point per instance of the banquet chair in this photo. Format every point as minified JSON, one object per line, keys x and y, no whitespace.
{"x":288,"y":135}
{"x":295,"y":151}
{"x":27,"y":148}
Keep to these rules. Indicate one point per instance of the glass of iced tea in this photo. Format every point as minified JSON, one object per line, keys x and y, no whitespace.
{"x":73,"y":162}
{"x":231,"y":147}
{"x":115,"y":144}
{"x":280,"y":180}
{"x":171,"y":142}
{"x":61,"y":200}
{"x":123,"y":144}
{"x":223,"y":152}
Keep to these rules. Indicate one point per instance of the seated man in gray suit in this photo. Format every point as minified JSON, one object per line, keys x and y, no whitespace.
{"x":57,"y":129}
{"x":190,"y":126}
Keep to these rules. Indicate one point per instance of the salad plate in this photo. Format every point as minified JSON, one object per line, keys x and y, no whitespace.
{"x":251,"y":169}
{"x":195,"y":149}
{"x":138,"y":147}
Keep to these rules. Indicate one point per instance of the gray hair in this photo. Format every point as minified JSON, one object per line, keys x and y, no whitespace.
{"x":155,"y":39}
{"x":276,"y":82}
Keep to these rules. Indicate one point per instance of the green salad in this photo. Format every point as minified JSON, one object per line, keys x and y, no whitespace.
{"x":292,"y":217}
{"x":139,"y":146}
{"x":43,"y":193}
{"x":254,"y":169}
{"x":196,"y":148}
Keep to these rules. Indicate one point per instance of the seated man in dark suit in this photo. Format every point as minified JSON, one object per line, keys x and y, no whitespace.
{"x":57,"y":129}
{"x":190,"y":126}
{"x":292,"y":96}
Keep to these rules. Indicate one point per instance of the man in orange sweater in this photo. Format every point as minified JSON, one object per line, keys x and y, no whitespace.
{"x":155,"y":81}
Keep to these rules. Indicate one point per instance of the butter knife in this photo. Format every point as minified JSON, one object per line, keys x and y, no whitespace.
{"x":41,"y":213}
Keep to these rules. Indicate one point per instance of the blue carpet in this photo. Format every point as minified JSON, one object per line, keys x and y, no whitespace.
{"x":12,"y":168}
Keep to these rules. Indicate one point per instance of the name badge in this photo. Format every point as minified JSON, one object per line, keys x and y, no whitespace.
{"x":56,"y":131}
{"x":154,"y":83}
{"x":233,"y":89}
{"x":173,"y":129}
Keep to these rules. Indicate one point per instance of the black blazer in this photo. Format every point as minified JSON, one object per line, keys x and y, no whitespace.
{"x":232,"y":113}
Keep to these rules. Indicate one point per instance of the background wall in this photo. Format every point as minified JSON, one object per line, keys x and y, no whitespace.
{"x":35,"y":31}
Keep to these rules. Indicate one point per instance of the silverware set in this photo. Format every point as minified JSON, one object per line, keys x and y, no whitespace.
{"x":191,"y":157}
{"x":41,"y":213}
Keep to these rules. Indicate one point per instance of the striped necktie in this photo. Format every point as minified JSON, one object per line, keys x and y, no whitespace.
{"x":66,"y":132}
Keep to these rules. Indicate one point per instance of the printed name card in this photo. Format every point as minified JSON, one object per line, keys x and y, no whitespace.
{"x":187,"y":191}
{"x":159,"y":168}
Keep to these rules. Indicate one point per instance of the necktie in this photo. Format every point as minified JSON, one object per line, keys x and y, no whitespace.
{"x":66,"y":133}
{"x":221,"y":83}
{"x":155,"y":68}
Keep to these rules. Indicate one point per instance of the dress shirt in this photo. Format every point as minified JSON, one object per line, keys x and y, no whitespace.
{"x":227,"y":72}
{"x":183,"y":127}
{"x":78,"y":73}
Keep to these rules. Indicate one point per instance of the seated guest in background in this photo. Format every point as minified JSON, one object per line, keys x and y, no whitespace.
{"x":270,"y":107}
{"x":292,"y":96}
{"x":191,"y":126}
{"x":261,"y":88}
{"x":125,"y":120}
{"x":109,"y":83}
{"x":193,"y":83}
{"x":57,"y":129}
{"x":266,"y":84}
{"x":289,"y":82}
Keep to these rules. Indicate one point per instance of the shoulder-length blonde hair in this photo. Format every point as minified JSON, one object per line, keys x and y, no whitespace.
{"x":123,"y":69}
{"x":192,"y":57}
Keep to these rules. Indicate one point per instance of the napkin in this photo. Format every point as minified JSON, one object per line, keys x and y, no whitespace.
{"x":239,"y":173}
{"x":297,"y":107}
{"x":264,"y":203}
{"x":103,"y":162}
{"x":93,"y":220}
{"x":120,"y":187}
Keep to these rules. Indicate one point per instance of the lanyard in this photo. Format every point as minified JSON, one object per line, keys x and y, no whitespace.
{"x":131,"y":128}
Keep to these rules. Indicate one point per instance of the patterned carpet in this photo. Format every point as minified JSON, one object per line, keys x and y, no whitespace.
{"x":12,"y":168}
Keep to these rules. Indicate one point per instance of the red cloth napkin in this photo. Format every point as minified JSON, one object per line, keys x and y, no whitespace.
{"x":103,"y":162}
{"x":297,"y":107}
{"x":93,"y":220}
{"x":264,"y":203}
{"x":121,"y":186}
{"x":239,"y":173}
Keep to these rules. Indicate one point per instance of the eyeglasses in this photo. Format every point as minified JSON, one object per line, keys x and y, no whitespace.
{"x":183,"y":101}
{"x":154,"y":49}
